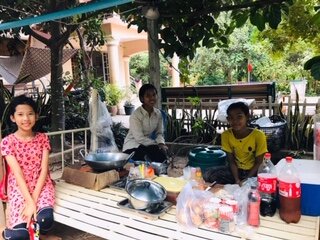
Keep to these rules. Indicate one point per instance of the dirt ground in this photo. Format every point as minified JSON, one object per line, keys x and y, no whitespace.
{"x":68,"y":233}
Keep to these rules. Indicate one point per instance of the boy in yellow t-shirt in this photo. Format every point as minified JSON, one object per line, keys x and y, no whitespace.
{"x":245,"y":148}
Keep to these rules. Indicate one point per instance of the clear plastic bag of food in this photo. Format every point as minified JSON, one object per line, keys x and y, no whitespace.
{"x":190,"y":205}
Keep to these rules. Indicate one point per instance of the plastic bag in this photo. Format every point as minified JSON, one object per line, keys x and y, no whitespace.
{"x":224,"y":104}
{"x":190,"y":202}
{"x":100,"y":123}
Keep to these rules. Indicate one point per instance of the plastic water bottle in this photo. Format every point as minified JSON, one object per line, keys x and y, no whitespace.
{"x":267,"y":186}
{"x":253,"y":217}
{"x":34,"y":230}
{"x":289,"y":193}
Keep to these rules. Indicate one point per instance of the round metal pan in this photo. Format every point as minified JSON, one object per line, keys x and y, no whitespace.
{"x":106,"y":160}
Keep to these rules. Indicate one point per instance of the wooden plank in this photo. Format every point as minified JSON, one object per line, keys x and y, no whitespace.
{"x":82,"y":208}
{"x":127,"y":227}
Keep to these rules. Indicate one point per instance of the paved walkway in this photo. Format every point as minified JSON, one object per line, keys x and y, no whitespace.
{"x":124,"y":119}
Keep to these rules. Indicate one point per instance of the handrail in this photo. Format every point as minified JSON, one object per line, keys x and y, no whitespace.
{"x":62,"y":135}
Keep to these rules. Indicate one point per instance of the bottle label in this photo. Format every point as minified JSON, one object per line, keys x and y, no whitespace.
{"x":253,"y":213}
{"x":267,"y":185}
{"x":289,"y":190}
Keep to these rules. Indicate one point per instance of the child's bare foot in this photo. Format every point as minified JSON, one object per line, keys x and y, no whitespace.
{"x":49,"y":237}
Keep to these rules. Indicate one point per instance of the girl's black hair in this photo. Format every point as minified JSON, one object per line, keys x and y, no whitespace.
{"x":144,"y":88}
{"x":238,"y":105}
{"x":22,"y":100}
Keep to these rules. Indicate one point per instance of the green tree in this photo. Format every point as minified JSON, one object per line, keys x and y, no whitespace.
{"x":186,"y":25}
{"x":59,"y":30}
{"x":139,"y":69}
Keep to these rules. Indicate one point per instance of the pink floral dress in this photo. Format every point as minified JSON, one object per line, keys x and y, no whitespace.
{"x":29,"y":156}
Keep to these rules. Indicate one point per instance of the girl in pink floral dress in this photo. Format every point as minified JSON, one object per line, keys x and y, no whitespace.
{"x":30,"y":189}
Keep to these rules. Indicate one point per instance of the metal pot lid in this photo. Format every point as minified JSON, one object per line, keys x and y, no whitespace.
{"x":146,"y":190}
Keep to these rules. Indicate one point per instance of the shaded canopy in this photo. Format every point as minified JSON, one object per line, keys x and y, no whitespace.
{"x":36,"y":63}
{"x":32,"y":66}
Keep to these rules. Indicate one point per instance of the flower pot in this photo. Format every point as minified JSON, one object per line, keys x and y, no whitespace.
{"x":113,"y":110}
{"x":128,"y":109}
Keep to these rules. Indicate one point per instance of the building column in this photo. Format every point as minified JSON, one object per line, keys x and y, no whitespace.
{"x":114,"y":59}
{"x":175,"y":74}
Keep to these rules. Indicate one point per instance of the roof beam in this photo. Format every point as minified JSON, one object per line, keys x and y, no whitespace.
{"x":102,"y":4}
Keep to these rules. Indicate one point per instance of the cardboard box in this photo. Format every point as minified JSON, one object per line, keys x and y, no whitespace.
{"x":310,"y":184}
{"x":86,"y":178}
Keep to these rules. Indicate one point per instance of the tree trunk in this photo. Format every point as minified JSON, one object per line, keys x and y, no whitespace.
{"x":154,"y":60}
{"x":58,"y":110}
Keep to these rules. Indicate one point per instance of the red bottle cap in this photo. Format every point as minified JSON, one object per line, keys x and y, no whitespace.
{"x":267,"y":155}
{"x":289,"y":159}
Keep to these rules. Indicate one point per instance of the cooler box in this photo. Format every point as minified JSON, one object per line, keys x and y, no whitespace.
{"x":309,"y":171}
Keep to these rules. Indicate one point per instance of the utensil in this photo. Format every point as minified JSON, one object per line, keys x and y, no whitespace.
{"x":104,"y":161}
{"x":144,"y":193}
{"x":160,"y":168}
{"x":210,"y":186}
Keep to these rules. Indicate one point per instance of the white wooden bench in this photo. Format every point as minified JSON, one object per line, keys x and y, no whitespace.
{"x":96,"y":212}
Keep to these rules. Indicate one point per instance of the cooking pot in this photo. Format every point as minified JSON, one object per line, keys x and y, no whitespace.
{"x":205,"y":157}
{"x":145,"y":194}
{"x":104,"y":161}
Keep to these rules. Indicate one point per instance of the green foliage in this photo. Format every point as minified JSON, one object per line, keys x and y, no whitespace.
{"x":186,"y":25}
{"x":139,"y":68}
{"x":192,"y":124}
{"x":113,"y":94}
{"x":299,"y":129}
{"x":76,"y":113}
{"x":93,"y":32}
{"x":195,"y":101}
{"x":119,"y":132}
{"x":60,"y":31}
{"x":283,"y":87}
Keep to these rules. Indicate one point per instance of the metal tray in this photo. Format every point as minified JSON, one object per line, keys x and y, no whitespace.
{"x":153,"y":214}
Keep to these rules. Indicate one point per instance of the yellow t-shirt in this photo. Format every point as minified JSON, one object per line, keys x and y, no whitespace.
{"x":246,"y":149}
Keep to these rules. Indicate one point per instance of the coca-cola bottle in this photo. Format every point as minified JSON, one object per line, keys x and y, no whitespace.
{"x":267,"y":186}
{"x":253,"y":217}
{"x":289,"y":193}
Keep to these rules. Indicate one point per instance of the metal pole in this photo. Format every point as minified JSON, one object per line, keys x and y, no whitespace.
{"x":94,"y":118}
{"x":248,"y":70}
{"x":154,"y":60}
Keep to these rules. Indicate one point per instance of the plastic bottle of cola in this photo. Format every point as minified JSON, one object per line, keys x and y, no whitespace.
{"x":267,"y":186}
{"x":253,"y":216}
{"x":289,"y":193}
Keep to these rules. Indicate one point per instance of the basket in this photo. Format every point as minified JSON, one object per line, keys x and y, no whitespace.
{"x":276,"y":136}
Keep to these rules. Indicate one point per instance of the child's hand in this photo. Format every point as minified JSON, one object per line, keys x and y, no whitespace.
{"x":163,"y":147}
{"x":29,"y":211}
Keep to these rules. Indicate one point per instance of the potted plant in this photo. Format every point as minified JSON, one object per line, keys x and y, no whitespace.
{"x":128,"y":107}
{"x":113,"y":96}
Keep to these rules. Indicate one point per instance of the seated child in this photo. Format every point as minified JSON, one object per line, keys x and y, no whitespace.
{"x":145,"y":136}
{"x":245,"y":148}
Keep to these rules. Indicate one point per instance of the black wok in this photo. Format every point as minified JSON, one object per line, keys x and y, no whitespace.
{"x":104,"y":161}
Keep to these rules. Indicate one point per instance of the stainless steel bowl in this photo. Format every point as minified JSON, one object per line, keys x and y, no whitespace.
{"x":144,"y":193}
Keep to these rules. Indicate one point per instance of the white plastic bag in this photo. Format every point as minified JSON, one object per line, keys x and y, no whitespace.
{"x":100,"y":123}
{"x":224,"y":104}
